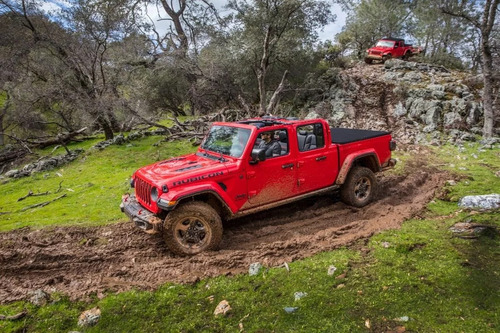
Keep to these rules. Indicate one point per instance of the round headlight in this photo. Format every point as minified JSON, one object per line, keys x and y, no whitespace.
{"x":154,"y":194}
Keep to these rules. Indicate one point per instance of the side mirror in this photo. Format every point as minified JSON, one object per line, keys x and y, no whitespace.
{"x":258,"y":155}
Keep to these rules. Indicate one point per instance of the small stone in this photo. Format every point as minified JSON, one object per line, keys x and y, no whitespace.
{"x":89,"y":317}
{"x":299,"y":294}
{"x":290,"y":309}
{"x":331,"y":270}
{"x":39,"y":297}
{"x":403,"y":319}
{"x":223,"y":308}
{"x":451,"y":182}
{"x":340,"y":286}
{"x":386,"y":245}
{"x":254,"y":268}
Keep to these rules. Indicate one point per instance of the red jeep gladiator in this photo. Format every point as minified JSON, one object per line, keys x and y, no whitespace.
{"x":387,"y":48}
{"x":252,"y":165}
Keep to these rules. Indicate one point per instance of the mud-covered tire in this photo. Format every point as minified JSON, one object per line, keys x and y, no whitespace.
{"x":406,"y":57}
{"x":359,"y":188}
{"x":368,"y":60}
{"x":386,"y":57}
{"x":192,"y":228}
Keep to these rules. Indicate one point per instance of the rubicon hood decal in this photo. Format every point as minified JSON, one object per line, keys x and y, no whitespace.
{"x":194,"y":179}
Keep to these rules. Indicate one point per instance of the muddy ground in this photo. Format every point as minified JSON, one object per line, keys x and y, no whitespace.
{"x":82,"y":261}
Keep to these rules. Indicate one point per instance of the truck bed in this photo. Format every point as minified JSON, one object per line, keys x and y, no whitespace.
{"x":347,"y":135}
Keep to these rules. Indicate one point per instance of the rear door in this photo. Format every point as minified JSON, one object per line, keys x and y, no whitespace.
{"x":275,"y":178}
{"x":317,"y":161}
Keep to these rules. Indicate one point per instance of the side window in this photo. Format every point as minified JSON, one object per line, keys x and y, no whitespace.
{"x":310,"y":137}
{"x":275,"y":142}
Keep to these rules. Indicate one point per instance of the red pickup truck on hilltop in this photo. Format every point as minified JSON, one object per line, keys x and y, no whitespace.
{"x":187,"y":197}
{"x":387,"y":48}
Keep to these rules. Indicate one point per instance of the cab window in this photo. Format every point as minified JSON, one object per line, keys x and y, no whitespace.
{"x":310,"y":137}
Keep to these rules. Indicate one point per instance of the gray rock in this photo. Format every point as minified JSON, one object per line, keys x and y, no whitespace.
{"x":11,"y":173}
{"x":134,"y":136}
{"x":475,"y":112}
{"x":312,"y":115}
{"x":433,"y":113}
{"x":39,"y":297}
{"x":254,"y":268}
{"x":400,"y":110}
{"x":290,"y":309}
{"x":299,"y":294}
{"x":89,"y":317}
{"x":119,"y":139}
{"x":413,"y":77}
{"x":452,"y":120}
{"x":489,"y":201}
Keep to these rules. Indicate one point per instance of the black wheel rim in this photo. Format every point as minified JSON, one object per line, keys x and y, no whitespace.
{"x":192,"y":233}
{"x":362,"y":188}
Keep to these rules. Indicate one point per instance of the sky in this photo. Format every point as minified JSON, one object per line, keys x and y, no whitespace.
{"x":328,"y":31}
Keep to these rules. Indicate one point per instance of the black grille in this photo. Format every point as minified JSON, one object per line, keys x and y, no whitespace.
{"x":143,"y":191}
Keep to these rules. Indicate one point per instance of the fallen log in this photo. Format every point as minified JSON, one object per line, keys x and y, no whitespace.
{"x":59,"y":139}
{"x":42,"y":204}
{"x":14,"y":317}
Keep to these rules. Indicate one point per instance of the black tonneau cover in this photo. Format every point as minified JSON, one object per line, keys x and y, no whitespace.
{"x":346,"y":135}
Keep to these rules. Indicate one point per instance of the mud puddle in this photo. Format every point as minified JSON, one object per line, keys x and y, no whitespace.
{"x":83,"y":261}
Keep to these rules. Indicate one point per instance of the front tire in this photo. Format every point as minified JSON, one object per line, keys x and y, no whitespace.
{"x":386,"y":57}
{"x":359,"y":188}
{"x":368,"y":60}
{"x":192,"y":228}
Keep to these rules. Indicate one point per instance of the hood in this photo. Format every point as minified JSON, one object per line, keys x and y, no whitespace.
{"x":188,"y":166}
{"x":379,"y":49}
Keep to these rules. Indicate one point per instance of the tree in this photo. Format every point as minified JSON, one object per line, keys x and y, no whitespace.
{"x":368,"y":21}
{"x":484,"y":21}
{"x":270,"y":32}
{"x":67,"y":73}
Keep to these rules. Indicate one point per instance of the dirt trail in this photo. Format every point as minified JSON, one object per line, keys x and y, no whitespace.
{"x":81,"y":261}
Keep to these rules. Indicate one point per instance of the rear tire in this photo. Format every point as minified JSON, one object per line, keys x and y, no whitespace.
{"x":359,"y":188}
{"x":192,"y":228}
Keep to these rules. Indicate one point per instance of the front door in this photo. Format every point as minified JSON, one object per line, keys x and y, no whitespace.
{"x":275,"y":178}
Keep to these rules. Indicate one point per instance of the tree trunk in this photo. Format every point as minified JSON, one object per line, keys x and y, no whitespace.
{"x":488,"y":89}
{"x":108,"y":131}
{"x":275,"y":99}
{"x":2,"y":137}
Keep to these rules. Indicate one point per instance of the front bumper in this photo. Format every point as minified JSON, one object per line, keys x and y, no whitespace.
{"x":142,"y":218}
{"x":373,"y":56}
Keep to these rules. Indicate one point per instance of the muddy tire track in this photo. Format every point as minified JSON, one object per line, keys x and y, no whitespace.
{"x":82,"y":261}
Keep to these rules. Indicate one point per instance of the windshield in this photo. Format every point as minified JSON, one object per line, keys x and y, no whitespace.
{"x":226,"y":140}
{"x":384,"y":43}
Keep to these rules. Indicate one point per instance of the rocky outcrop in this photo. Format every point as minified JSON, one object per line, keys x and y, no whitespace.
{"x":418,"y":102}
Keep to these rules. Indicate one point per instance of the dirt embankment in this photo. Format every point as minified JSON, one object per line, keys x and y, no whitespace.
{"x":80,"y":261}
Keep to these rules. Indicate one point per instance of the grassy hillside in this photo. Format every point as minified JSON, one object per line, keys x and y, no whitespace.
{"x":420,"y":278}
{"x":93,"y":185}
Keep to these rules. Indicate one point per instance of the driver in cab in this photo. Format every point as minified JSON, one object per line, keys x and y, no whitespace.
{"x":272,"y":146}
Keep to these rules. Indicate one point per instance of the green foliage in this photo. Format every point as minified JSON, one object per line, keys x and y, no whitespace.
{"x":93,"y":185}
{"x":440,"y":282}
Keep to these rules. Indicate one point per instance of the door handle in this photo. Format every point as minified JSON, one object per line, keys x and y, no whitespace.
{"x":285,"y":166}
{"x":321,"y":158}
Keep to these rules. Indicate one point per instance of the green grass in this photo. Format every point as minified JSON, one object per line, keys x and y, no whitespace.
{"x":93,"y":184}
{"x":441,"y":282}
